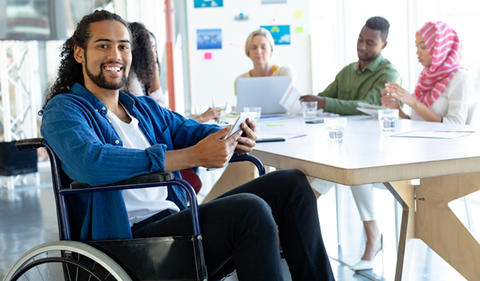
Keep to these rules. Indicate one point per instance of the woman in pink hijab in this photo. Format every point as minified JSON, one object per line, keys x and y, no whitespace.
{"x":443,"y":88}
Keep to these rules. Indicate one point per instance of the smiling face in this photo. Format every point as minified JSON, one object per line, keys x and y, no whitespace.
{"x":369,"y":44}
{"x":423,"y":53}
{"x":259,"y":50}
{"x":107,"y":57}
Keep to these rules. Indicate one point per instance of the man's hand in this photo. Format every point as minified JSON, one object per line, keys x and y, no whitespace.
{"x":247,"y":141}
{"x":320,"y":100}
{"x":211,"y":152}
{"x":214,"y":150}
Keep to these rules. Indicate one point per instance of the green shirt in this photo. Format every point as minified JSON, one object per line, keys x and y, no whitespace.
{"x":352,"y":85}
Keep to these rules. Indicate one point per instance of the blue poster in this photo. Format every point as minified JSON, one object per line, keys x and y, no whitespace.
{"x":209,"y":39}
{"x":207,"y":3}
{"x":280,"y":33}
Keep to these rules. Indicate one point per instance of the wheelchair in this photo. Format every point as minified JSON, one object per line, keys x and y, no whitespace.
{"x":174,"y":258}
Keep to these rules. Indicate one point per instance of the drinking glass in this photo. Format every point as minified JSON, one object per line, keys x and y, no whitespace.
{"x":388,"y":119}
{"x":336,"y":127}
{"x":309,"y":110}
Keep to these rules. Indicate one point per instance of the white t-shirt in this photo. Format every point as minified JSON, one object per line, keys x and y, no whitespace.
{"x":145,"y":202}
{"x":453,"y":103}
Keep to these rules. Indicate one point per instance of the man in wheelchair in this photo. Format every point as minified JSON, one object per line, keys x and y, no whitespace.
{"x":103,"y":135}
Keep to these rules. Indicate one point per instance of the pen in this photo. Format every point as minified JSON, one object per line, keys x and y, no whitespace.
{"x":270,"y":140}
{"x":213,"y":101}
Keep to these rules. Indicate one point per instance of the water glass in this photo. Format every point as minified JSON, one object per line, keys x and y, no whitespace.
{"x":309,"y":110}
{"x":388,"y":119}
{"x":253,"y":112}
{"x":335,"y":127}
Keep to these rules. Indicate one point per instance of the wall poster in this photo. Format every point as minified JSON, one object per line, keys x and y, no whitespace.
{"x":207,"y":3}
{"x":209,"y":39}
{"x":280,"y":33}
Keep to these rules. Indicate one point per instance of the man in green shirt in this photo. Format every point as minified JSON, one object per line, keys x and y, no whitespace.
{"x":362,"y":80}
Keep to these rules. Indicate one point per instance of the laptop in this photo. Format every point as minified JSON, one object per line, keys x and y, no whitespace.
{"x":265,"y":92}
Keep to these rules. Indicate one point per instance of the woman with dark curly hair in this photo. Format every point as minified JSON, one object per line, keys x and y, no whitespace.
{"x":144,"y":78}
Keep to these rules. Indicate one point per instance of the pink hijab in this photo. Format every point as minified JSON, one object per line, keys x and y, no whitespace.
{"x":444,"y":47}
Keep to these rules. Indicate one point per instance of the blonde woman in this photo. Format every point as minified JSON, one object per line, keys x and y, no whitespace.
{"x":259,"y":48}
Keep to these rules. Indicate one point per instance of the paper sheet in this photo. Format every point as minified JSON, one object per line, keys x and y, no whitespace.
{"x":291,"y":101}
{"x":433,"y":134}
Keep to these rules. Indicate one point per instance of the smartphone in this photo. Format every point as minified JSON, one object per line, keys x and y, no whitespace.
{"x":236,"y":126}
{"x":318,"y":121}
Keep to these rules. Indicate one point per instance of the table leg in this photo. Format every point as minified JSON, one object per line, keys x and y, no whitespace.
{"x":440,"y":229}
{"x":403,"y":194}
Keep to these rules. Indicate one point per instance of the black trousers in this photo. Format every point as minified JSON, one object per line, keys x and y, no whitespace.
{"x":241,"y":227}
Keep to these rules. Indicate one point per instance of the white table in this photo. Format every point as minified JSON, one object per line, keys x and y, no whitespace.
{"x":448,"y":169}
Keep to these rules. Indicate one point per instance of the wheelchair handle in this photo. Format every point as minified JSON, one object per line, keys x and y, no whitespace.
{"x":29,"y":143}
{"x":250,"y":158}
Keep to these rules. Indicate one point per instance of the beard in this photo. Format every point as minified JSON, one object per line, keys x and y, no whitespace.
{"x":100,"y":80}
{"x":367,"y":58}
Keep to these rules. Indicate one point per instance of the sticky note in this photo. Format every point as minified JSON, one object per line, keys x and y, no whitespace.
{"x":299,"y":29}
{"x":298,"y":14}
{"x":207,"y":56}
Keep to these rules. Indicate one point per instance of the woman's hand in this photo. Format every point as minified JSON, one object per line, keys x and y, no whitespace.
{"x":209,"y":114}
{"x":392,"y":101}
{"x":389,"y":101}
{"x":399,"y":93}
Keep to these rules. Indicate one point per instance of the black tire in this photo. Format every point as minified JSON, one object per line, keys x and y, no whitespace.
{"x":66,"y":261}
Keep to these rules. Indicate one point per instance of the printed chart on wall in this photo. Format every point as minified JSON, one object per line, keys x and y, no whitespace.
{"x":209,"y":39}
{"x":280,"y":33}
{"x":207,"y":3}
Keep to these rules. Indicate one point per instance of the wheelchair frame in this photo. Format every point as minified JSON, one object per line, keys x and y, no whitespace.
{"x":93,"y":249}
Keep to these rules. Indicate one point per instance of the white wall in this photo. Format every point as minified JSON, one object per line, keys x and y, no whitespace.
{"x":216,"y":77}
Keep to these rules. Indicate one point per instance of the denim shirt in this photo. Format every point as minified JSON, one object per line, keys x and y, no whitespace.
{"x":76,"y":127}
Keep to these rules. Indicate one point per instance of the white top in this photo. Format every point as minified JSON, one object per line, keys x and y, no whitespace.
{"x":145,"y":202}
{"x":136,"y":88}
{"x":281,"y":71}
{"x":453,"y":104}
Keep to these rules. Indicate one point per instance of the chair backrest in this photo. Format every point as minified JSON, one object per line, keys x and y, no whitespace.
{"x":59,"y":180}
{"x":473,"y":115}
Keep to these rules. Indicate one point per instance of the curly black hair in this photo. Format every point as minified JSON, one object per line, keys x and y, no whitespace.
{"x":70,"y":71}
{"x":379,"y":23}
{"x":143,"y":56}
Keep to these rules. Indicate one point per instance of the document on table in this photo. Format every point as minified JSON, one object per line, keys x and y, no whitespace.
{"x":291,"y":101}
{"x":433,"y":134}
{"x":286,"y":136}
{"x":369,"y":109}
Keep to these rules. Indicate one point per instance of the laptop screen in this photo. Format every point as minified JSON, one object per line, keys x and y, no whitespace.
{"x":265,"y":92}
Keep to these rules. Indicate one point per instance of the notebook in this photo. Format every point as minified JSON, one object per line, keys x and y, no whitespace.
{"x":265,"y":92}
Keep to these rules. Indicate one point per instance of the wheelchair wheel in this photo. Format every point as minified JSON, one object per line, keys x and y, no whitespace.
{"x":66,"y":261}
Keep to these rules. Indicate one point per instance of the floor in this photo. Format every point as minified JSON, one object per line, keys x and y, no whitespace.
{"x":28,"y":218}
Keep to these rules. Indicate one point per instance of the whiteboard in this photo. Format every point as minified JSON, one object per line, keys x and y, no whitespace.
{"x":215,"y":77}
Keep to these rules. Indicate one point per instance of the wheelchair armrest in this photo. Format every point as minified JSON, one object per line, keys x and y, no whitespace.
{"x":250,"y":158}
{"x":142,"y":179}
{"x":29,"y":143}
